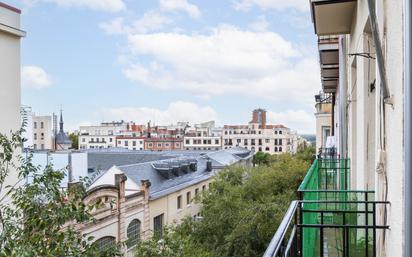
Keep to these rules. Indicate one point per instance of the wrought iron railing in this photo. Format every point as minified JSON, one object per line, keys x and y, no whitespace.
{"x":329,"y":219}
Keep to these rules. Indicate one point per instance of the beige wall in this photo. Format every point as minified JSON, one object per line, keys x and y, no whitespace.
{"x":167,"y":205}
{"x":45,"y":141}
{"x":9,"y":74}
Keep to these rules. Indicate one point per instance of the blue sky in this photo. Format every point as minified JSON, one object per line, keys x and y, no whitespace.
{"x":170,"y":60}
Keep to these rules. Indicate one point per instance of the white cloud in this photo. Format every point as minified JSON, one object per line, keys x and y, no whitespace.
{"x":244,"y":5}
{"x":227,"y":60}
{"x":149,"y":22}
{"x":181,"y":5}
{"x":300,"y":120}
{"x":176,"y":111}
{"x":98,"y":5}
{"x":35,"y":77}
{"x":260,"y":24}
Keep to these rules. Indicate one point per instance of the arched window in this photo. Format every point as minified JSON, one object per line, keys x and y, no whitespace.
{"x":280,"y":149}
{"x":104,"y":243}
{"x":133,"y":233}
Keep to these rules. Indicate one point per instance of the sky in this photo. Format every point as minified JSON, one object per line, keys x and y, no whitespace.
{"x":170,"y":60}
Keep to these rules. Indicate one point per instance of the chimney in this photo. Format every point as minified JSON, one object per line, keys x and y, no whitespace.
{"x":120,"y":183}
{"x":209,"y":165}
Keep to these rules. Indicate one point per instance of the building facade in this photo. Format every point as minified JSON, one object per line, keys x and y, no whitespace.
{"x":323,"y":117}
{"x":163,"y":144}
{"x":204,"y":136}
{"x":42,"y":129}
{"x":130,"y":142}
{"x":101,"y":136}
{"x":10,"y":35}
{"x":364,"y":54}
{"x":258,"y":136}
{"x":141,"y":199}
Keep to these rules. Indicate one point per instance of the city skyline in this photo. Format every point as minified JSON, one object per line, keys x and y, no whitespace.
{"x":170,"y":61}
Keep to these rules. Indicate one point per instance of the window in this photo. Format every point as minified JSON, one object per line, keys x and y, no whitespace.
{"x":267,"y":140}
{"x":276,"y":149}
{"x":179,"y":202}
{"x":216,"y":141}
{"x":276,"y":132}
{"x":280,"y":149}
{"x":203,"y":187}
{"x":238,"y":140}
{"x":158,"y":224}
{"x":42,"y":136}
{"x":276,"y":141}
{"x":35,"y":136}
{"x":260,"y":141}
{"x":188,"y":198}
{"x":83,"y":139}
{"x":150,"y":145}
{"x":159,"y":144}
{"x":35,"y":125}
{"x":134,"y":143}
{"x":187,"y":141}
{"x":126,"y":143}
{"x":110,"y":140}
{"x":280,"y":132}
{"x":104,"y":243}
{"x":196,"y":191}
{"x":267,"y":149}
{"x":42,"y":124}
{"x":245,"y":142}
{"x":133,"y":233}
{"x":97,"y":139}
{"x":177,"y":144}
{"x":42,"y":146}
{"x":35,"y":146}
{"x":260,"y":149}
{"x":280,"y":141}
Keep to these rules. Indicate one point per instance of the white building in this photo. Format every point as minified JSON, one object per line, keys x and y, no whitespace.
{"x":10,"y":35}
{"x":204,"y":136}
{"x":258,"y":136}
{"x":101,"y":136}
{"x":42,"y":129}
{"x":362,"y":59}
{"x":130,"y":142}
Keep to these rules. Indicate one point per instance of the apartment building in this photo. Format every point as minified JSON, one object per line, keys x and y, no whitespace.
{"x":163,"y":144}
{"x":42,"y":130}
{"x":101,"y":136}
{"x":364,"y":55}
{"x":10,"y":35}
{"x":204,"y":136}
{"x":323,"y":114}
{"x":258,"y":136}
{"x":149,"y":195}
{"x":130,"y":142}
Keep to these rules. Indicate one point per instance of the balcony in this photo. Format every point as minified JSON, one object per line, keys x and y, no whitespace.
{"x":332,"y":17}
{"x":329,"y":219}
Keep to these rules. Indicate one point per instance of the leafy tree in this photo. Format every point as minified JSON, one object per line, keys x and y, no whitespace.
{"x":307,"y":153}
{"x":261,"y":158}
{"x":75,"y":140}
{"x":39,"y":218}
{"x":240,"y":212}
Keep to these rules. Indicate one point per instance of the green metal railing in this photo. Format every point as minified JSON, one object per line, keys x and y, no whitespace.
{"x":330,"y":219}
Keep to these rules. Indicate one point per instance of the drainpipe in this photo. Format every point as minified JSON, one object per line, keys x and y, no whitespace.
{"x":408,"y":130}
{"x":379,"y":52}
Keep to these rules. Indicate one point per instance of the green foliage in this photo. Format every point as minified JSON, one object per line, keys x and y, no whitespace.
{"x":307,"y":153}
{"x":241,"y":211}
{"x":75,"y":140}
{"x":39,"y":218}
{"x":261,"y":158}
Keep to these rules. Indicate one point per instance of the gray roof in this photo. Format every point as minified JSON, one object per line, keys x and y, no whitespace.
{"x":63,"y":139}
{"x":141,"y":165}
{"x":159,"y":184}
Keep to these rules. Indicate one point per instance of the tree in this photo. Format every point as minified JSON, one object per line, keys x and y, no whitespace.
{"x":240,"y":212}
{"x":39,"y":218}
{"x":260,"y":158}
{"x":75,"y":140}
